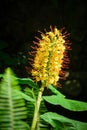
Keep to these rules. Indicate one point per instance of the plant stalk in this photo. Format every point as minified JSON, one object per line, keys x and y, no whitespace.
{"x":37,"y":107}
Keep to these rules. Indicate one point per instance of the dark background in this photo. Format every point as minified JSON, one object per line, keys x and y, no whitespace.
{"x":21,"y":19}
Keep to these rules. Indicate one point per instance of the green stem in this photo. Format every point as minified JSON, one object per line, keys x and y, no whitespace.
{"x":37,"y":107}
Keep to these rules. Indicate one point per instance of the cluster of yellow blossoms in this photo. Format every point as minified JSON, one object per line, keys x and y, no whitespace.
{"x":49,"y":57}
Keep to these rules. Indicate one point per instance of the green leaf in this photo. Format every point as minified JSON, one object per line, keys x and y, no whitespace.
{"x":55,"y":91}
{"x":1,"y":75}
{"x":27,"y":81}
{"x":62,"y":123}
{"x":12,"y":104}
{"x":66,"y":103}
{"x":26,"y":97}
{"x":59,"y":99}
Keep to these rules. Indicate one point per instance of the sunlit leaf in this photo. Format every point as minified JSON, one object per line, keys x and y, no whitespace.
{"x":62,"y":123}
{"x":59,"y":99}
{"x":66,"y":103}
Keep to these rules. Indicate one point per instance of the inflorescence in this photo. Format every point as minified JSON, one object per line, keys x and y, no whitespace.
{"x":51,"y":59}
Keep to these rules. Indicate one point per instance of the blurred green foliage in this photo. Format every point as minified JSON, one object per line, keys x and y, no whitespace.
{"x":17,"y":106}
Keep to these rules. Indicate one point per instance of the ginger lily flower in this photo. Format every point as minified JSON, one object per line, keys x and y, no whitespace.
{"x":51,"y":57}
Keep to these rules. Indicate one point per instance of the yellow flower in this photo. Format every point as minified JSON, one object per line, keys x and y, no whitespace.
{"x":51,"y":57}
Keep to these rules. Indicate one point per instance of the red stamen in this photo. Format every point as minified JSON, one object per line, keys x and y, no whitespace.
{"x":62,"y":29}
{"x":62,"y":73}
{"x":37,"y":38}
{"x":41,"y":33}
{"x":68,"y":47}
{"x":30,"y":59}
{"x":65,"y":66}
{"x":67,"y":59}
{"x":65,"y":55}
{"x":63,"y":78}
{"x":51,"y":28}
{"x":34,"y":47}
{"x":45,"y":30}
{"x":35,"y":43}
{"x":66,"y":34}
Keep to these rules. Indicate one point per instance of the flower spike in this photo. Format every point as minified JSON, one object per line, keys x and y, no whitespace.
{"x":51,"y":57}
